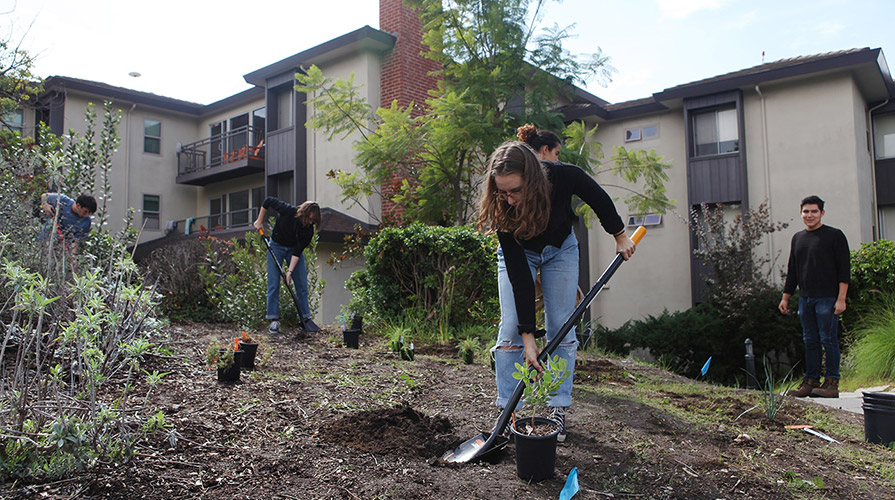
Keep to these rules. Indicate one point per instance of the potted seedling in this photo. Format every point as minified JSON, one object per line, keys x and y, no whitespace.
{"x":398,"y":342}
{"x":535,"y":435}
{"x":225,"y":359}
{"x":351,"y":329}
{"x":250,"y":348}
{"x":467,"y":349}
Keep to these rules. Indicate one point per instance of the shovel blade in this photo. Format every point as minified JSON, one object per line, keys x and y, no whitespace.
{"x":475,"y":448}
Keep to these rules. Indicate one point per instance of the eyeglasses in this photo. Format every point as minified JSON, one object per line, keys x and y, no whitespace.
{"x":503,"y":195}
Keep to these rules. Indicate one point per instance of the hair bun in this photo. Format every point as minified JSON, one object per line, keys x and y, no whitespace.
{"x":526,"y":132}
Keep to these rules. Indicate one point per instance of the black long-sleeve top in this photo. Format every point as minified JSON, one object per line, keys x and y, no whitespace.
{"x":566,"y":180}
{"x":288,"y":230}
{"x":818,"y":261}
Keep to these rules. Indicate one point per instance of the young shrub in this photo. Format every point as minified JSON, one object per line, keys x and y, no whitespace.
{"x":539,"y":388}
{"x":444,"y":269}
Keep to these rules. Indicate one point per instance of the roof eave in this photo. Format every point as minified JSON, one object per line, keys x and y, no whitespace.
{"x":365,"y":38}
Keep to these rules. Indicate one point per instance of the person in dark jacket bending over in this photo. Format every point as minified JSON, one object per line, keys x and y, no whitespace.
{"x":529,"y":204}
{"x":292,"y":233}
{"x":819,"y":263}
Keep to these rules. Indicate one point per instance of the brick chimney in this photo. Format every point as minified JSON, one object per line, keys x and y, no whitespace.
{"x":405,"y":75}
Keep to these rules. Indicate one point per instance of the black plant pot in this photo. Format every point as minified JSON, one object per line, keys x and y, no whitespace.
{"x":231,"y":374}
{"x":407,"y":352}
{"x":357,"y":322}
{"x":351,"y":338}
{"x":248,"y":359}
{"x":535,"y":455}
{"x":468,"y":357}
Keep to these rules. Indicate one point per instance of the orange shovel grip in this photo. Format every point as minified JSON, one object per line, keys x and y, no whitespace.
{"x":638,"y":235}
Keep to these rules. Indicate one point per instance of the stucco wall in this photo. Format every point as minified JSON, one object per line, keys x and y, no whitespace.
{"x":135,"y":173}
{"x":658,"y":276}
{"x":338,"y":154}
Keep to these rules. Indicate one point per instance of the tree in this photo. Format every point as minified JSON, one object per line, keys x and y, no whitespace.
{"x":497,"y":74}
{"x":18,"y":86}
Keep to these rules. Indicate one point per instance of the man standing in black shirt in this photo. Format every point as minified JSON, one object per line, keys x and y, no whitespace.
{"x":819,"y":264}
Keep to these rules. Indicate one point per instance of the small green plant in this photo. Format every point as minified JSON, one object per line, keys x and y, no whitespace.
{"x":467,"y":349}
{"x":539,"y":388}
{"x":218,"y":356}
{"x":771,"y":400}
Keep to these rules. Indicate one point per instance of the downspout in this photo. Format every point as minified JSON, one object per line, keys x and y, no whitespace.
{"x":127,"y":159}
{"x":878,"y":231}
{"x":767,"y":169}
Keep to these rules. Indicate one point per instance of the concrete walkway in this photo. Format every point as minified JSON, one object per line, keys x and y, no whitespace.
{"x":852,"y":401}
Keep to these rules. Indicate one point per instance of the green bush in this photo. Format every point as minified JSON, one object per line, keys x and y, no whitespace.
{"x":871,"y":358}
{"x":684,"y":340}
{"x":872,"y":277}
{"x":447,"y":271}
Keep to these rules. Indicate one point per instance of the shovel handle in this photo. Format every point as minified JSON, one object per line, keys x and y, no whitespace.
{"x":638,"y":235}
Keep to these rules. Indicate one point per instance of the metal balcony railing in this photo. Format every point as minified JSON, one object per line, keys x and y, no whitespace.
{"x":223,"y":222}
{"x":243,"y":143}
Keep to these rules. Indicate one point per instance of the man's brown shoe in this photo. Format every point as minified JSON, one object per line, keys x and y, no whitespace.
{"x":830,"y":389}
{"x":808,"y":385}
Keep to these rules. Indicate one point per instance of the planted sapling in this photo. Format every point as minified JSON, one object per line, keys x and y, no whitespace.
{"x":539,"y":388}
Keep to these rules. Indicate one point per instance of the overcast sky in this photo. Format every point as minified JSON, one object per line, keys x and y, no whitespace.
{"x":199,"y":50}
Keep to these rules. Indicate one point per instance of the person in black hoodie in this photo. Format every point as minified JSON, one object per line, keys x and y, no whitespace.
{"x":528,"y":203}
{"x":292,"y":233}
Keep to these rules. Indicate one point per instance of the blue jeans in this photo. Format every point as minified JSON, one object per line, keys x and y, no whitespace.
{"x":559,"y":284}
{"x":820,"y":327}
{"x":299,"y":280}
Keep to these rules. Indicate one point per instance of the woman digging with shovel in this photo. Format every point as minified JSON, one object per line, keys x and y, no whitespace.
{"x":292,"y":233}
{"x":529,"y":204}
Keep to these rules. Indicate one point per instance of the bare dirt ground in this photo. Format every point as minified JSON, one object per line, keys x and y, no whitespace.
{"x":318,"y":421}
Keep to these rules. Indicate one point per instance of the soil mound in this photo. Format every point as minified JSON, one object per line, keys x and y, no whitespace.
{"x":400,"y":430}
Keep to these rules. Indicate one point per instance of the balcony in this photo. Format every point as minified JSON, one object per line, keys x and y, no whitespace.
{"x":233,"y":154}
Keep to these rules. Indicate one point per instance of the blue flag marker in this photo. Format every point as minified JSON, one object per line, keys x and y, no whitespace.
{"x":705,"y":367}
{"x":571,"y":487}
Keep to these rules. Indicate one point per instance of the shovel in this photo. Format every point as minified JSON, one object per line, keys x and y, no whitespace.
{"x":486,"y":443}
{"x":282,"y":275}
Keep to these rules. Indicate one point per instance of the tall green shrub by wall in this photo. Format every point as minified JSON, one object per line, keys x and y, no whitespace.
{"x":872,"y":278}
{"x":446,"y":269}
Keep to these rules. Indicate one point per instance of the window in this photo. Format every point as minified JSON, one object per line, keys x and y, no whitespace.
{"x":239,"y":208}
{"x":716,"y":132}
{"x":283,"y":98}
{"x":644,"y":133}
{"x":632,"y":135}
{"x":645,"y":220}
{"x":14,"y":120}
{"x":650,"y":132}
{"x":152,"y":136}
{"x":151,"y":212}
{"x":215,"y":209}
{"x":884,"y":136}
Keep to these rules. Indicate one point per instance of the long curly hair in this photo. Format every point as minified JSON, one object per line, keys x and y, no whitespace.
{"x":305,"y":209}
{"x":528,"y":217}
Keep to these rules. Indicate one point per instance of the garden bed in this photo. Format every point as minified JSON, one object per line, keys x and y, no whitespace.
{"x":317,"y":420}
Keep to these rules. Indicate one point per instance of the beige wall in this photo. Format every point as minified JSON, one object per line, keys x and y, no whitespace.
{"x":338,"y":154}
{"x":794,"y":148}
{"x":658,"y":276}
{"x":135,"y":173}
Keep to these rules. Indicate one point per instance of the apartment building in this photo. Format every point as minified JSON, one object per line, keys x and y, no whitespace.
{"x":774,"y":133}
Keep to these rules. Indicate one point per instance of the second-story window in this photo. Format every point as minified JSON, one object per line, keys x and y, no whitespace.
{"x":14,"y":121}
{"x":152,"y":136}
{"x":716,"y":132}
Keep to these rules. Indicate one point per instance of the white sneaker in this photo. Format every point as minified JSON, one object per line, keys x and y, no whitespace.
{"x":274,"y":327}
{"x":559,"y":414}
